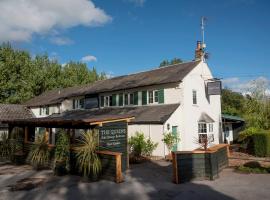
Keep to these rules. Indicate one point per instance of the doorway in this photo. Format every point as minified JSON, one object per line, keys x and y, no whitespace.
{"x":175,"y":134}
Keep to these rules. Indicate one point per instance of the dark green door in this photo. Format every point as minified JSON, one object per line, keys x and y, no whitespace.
{"x":174,"y":132}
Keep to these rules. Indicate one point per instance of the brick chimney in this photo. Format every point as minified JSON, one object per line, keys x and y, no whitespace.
{"x":199,"y":52}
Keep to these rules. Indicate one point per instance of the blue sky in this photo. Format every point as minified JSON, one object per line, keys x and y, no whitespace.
{"x":126,"y":36}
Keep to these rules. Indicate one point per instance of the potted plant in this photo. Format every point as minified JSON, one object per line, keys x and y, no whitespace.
{"x":170,"y":140}
{"x":88,"y":161}
{"x":62,"y":153}
{"x":39,"y":154}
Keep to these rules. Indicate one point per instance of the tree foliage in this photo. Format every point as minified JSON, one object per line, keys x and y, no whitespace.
{"x":254,"y":107}
{"x":23,"y":76}
{"x":170,"y":62}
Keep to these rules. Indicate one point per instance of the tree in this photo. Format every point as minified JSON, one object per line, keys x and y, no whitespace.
{"x":232,"y":102}
{"x":171,"y":62}
{"x":23,"y":76}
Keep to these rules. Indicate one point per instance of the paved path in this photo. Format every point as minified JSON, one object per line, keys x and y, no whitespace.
{"x":143,"y":181}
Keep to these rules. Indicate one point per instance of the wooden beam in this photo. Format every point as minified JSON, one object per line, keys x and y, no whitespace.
{"x":175,"y":168}
{"x":26,"y":132}
{"x":113,"y":120}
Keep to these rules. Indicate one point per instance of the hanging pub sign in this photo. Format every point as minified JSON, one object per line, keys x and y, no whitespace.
{"x":214,"y":88}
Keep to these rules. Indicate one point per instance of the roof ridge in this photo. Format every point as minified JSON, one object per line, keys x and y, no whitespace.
{"x":154,"y":69}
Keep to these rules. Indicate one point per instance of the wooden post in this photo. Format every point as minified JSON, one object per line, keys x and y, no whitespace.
{"x":228,"y":151}
{"x":175,"y":169}
{"x":26,"y":132}
{"x":118,"y":178}
{"x":47,"y":134}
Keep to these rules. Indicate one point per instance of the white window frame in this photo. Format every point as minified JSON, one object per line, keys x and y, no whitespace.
{"x":207,"y":130}
{"x":77,"y":103}
{"x":210,"y":127}
{"x":202,"y":130}
{"x":154,"y":98}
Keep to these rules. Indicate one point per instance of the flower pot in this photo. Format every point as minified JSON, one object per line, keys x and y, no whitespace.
{"x":19,"y":158}
{"x":60,"y":168}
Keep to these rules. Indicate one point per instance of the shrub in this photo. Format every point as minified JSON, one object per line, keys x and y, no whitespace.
{"x":62,"y":152}
{"x":169,"y":140}
{"x":247,"y":133}
{"x":139,"y":145}
{"x":87,"y":158}
{"x":4,"y":146}
{"x":261,"y":142}
{"x":149,"y":147}
{"x":253,"y":167}
{"x":39,"y":153}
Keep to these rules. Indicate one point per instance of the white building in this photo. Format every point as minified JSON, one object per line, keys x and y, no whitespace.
{"x":174,"y":98}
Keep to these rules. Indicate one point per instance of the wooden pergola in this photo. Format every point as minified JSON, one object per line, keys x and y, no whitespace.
{"x":48,"y":123}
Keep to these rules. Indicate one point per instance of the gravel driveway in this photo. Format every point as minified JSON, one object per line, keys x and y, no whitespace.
{"x":151,"y":180}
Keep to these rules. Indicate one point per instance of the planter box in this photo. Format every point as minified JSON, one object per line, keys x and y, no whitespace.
{"x":200,"y":164}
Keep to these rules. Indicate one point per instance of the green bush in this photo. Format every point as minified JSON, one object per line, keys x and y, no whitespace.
{"x":62,"y":152}
{"x":246,"y":134}
{"x":170,"y":140}
{"x":253,"y":167}
{"x":4,"y":146}
{"x":261,"y":142}
{"x":140,"y":146}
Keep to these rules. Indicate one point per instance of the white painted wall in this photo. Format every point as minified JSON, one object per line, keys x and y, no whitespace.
{"x":171,"y":93}
{"x":52,"y":109}
{"x":153,"y":131}
{"x":67,"y":104}
{"x":196,"y":80}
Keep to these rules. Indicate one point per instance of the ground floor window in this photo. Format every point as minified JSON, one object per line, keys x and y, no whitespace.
{"x":205,"y":131}
{"x":203,"y":137}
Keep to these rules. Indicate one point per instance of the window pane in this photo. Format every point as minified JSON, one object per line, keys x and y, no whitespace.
{"x":81,"y":102}
{"x":202,"y":128}
{"x":156,"y":96}
{"x":194,"y":96}
{"x":131,"y":99}
{"x":110,"y":101}
{"x":150,"y":94}
{"x":126,"y":99}
{"x":202,"y":138}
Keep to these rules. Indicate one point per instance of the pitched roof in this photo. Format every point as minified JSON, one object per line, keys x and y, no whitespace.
{"x":14,"y":111}
{"x":169,"y":74}
{"x":143,"y":115}
{"x":205,"y":118}
{"x":232,"y":118}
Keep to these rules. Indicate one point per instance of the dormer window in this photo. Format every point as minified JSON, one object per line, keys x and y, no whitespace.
{"x":78,"y":103}
{"x":44,"y":110}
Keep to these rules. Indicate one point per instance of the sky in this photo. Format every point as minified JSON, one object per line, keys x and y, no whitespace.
{"x":126,"y":36}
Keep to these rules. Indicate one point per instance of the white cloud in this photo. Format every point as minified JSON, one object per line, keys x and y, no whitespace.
{"x":230,"y":80}
{"x":89,"y":58}
{"x":20,"y":19}
{"x":246,"y":87}
{"x":137,"y":2}
{"x":61,"y":41}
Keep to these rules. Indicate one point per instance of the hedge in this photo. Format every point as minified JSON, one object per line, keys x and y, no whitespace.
{"x":261,"y":142}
